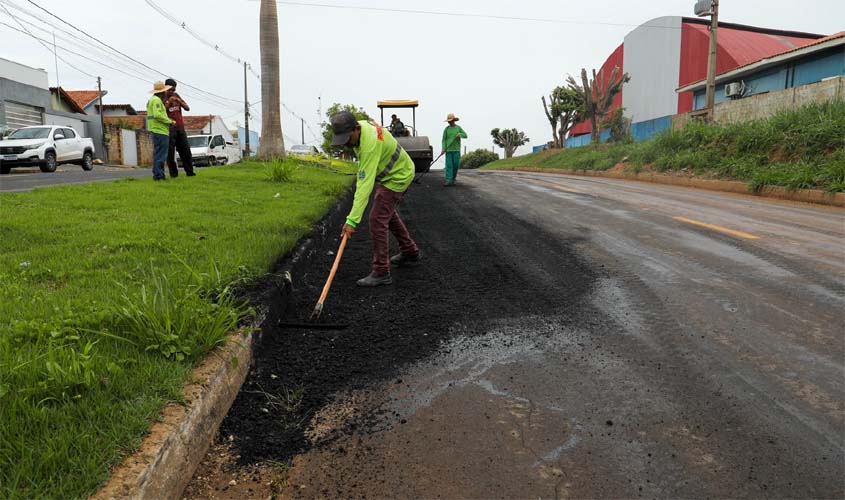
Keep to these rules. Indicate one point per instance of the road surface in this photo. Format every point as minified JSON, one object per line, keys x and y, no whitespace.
{"x":29,"y":179}
{"x":564,"y":337}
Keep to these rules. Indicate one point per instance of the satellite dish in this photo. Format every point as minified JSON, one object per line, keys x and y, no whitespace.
{"x":704,"y":8}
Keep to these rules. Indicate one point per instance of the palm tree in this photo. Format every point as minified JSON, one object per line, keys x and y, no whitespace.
{"x":597,"y":95}
{"x":272,"y":143}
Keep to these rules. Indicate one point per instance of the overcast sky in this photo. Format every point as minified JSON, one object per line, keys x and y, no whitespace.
{"x":491,"y":73}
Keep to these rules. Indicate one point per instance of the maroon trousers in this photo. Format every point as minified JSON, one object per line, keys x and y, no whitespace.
{"x":383,"y":217}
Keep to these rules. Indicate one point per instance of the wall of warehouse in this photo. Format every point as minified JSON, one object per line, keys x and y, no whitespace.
{"x":652,"y":58}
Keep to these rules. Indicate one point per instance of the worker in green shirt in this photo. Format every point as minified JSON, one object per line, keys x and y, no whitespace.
{"x":159,"y":124}
{"x":452,"y":148}
{"x":382,"y":164}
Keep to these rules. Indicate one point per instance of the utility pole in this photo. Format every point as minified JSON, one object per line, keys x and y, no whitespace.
{"x":56,"y":58}
{"x":713,"y":12}
{"x":246,"y":116}
{"x":303,"y":129}
{"x":102,"y":120}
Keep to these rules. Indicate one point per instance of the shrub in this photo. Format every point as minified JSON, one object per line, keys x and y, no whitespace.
{"x":282,"y":171}
{"x":478,"y":158}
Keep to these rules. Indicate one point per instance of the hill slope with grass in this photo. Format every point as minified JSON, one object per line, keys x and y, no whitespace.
{"x":803,"y":149}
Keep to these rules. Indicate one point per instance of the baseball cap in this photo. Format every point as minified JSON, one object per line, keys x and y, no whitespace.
{"x":171,"y":82}
{"x":343,"y":124}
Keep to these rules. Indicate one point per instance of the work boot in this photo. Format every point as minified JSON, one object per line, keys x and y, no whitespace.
{"x":400,"y":259}
{"x":375,"y":280}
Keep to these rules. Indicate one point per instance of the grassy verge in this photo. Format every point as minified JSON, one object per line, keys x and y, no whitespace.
{"x":803,"y":149}
{"x":111,"y":293}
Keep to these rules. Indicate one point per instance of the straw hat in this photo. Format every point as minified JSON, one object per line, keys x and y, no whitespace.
{"x":451,"y":117}
{"x":159,"y":87}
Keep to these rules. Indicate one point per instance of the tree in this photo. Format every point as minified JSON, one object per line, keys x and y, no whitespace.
{"x":478,"y":158}
{"x":562,"y":111}
{"x":272,"y":143}
{"x":597,"y":95}
{"x":335,"y":108}
{"x":509,"y":139}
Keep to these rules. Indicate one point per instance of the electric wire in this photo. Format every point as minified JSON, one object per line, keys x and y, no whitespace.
{"x":131,"y":75}
{"x":463,"y":14}
{"x":128,"y":56}
{"x":54,"y":51}
{"x":97,"y":50}
{"x":200,"y":38}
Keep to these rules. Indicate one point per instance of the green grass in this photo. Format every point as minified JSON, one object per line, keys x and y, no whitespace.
{"x":803,"y":149}
{"x":111,"y":293}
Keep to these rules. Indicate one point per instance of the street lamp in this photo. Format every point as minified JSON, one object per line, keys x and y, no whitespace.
{"x":704,"y":8}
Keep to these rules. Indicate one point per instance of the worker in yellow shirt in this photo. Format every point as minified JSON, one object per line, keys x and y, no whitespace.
{"x":383,"y":164}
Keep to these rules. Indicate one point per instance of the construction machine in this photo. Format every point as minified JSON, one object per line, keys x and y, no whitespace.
{"x":418,"y":147}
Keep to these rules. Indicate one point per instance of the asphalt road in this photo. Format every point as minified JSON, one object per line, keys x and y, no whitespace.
{"x":31,"y":178}
{"x":564,"y":337}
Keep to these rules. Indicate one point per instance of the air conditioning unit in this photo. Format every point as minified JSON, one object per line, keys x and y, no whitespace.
{"x":703,"y":8}
{"x":734,"y":90}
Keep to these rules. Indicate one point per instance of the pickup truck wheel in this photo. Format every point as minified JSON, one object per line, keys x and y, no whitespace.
{"x":5,"y":169}
{"x":49,"y":162}
{"x":87,"y":161}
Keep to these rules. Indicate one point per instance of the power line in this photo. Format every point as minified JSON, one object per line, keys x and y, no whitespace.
{"x":119,"y":70}
{"x":55,"y":52}
{"x":99,"y":51}
{"x":126,"y":55}
{"x":200,"y":38}
{"x":463,"y":14}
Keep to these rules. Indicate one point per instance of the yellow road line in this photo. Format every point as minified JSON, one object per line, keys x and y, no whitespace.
{"x":718,"y":228}
{"x":554,"y":186}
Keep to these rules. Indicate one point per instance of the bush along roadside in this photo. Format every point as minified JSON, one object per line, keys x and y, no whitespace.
{"x":114,"y":292}
{"x":801,"y":149}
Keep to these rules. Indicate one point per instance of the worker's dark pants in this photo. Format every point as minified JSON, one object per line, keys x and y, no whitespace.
{"x":179,"y":141}
{"x":384,"y":216}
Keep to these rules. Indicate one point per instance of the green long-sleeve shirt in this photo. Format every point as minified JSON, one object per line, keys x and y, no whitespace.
{"x":157,"y":120}
{"x":452,"y":138}
{"x":375,"y":149}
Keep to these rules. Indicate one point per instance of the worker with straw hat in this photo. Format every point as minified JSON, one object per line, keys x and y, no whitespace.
{"x":452,"y":148}
{"x":159,"y":124}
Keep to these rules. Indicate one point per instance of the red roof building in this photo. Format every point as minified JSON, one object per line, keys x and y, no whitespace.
{"x":668,"y":53}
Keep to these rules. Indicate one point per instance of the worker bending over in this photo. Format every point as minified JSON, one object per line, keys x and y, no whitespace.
{"x":384,"y":164}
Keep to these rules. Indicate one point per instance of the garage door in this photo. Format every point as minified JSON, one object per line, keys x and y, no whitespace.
{"x":22,"y":115}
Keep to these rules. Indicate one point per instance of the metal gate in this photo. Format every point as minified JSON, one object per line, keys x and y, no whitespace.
{"x":22,"y":115}
{"x":130,"y":147}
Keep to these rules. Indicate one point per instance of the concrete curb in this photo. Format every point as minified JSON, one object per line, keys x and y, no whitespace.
{"x":803,"y":195}
{"x":176,"y":444}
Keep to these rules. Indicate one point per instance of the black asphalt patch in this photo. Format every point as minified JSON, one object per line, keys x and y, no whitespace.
{"x":481,"y":263}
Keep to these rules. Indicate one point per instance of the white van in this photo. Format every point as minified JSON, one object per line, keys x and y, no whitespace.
{"x":212,"y":150}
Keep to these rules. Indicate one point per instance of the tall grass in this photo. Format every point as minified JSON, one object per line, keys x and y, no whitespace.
{"x":799,"y":149}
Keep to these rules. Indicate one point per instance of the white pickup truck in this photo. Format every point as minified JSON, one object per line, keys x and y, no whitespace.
{"x":45,"y":146}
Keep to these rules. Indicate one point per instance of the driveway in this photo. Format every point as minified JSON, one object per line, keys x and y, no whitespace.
{"x":31,"y":178}
{"x":564,"y":337}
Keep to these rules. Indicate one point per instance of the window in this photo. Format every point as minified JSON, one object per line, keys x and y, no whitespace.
{"x":69,"y":133}
{"x":217,"y":142}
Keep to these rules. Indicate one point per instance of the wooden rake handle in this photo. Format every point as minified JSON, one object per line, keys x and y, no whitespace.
{"x":328,"y":284}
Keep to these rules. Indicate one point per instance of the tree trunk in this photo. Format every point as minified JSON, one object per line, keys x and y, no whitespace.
{"x":509,"y":150}
{"x":552,"y":120}
{"x":590,"y":106}
{"x":272,"y":144}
